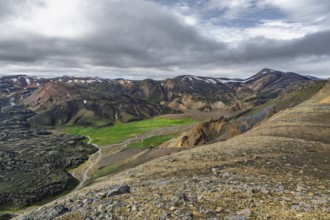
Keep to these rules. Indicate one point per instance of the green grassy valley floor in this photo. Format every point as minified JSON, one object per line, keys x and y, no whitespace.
{"x":122,"y":131}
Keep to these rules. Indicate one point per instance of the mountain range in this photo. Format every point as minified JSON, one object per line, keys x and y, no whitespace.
{"x":269,"y":109}
{"x":95,"y":101}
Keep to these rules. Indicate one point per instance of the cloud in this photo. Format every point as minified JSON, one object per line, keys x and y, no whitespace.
{"x":301,"y":9}
{"x":317,"y":44}
{"x":123,"y":34}
{"x":145,"y":39}
{"x":232,"y":9}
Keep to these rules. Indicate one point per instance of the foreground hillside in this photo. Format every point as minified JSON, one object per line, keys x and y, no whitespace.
{"x":279,"y":169}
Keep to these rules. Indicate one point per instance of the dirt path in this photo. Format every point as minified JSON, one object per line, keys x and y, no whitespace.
{"x":92,"y":162}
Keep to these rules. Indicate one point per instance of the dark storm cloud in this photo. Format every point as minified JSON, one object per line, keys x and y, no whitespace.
{"x":317,"y":44}
{"x":127,"y":34}
{"x":150,"y":37}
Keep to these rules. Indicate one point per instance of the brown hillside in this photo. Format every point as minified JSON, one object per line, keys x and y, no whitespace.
{"x":49,"y":94}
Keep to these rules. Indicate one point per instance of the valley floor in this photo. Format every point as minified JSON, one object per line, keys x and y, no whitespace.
{"x":278,"y":170}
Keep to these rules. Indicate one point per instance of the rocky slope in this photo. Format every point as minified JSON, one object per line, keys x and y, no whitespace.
{"x":33,"y":163}
{"x":245,"y":119}
{"x":204,"y":133}
{"x":278,"y":170}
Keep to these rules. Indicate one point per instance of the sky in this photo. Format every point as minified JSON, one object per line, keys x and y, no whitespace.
{"x":158,"y":39}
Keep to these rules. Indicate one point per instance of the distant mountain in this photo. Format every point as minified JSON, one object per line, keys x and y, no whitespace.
{"x":73,"y":99}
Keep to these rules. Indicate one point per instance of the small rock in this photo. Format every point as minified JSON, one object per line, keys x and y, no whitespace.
{"x":300,"y":188}
{"x":235,"y":217}
{"x":265,"y":191}
{"x":218,"y":209}
{"x":165,"y":216}
{"x":197,"y":214}
{"x":172,"y":160}
{"x":281,"y":188}
{"x":172,"y":208}
{"x":100,"y":208}
{"x":88,"y":201}
{"x":58,"y":210}
{"x":296,"y":207}
{"x":101,"y":195}
{"x":211,"y":212}
{"x":287,"y":199}
{"x":322,"y":187}
{"x":182,"y":196}
{"x":119,"y":190}
{"x":246,"y":212}
{"x":215,"y":170}
{"x":326,"y":210}
{"x":254,"y":190}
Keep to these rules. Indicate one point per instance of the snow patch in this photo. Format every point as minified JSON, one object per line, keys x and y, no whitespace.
{"x":187,"y":78}
{"x":197,"y":78}
{"x":213,"y":81}
{"x":28,"y":81}
{"x":12,"y":102}
{"x":231,"y":80}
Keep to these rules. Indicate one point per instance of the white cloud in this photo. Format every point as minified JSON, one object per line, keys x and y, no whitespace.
{"x":190,"y":20}
{"x":305,"y":10}
{"x":232,"y":8}
{"x":281,"y":30}
{"x":52,"y":18}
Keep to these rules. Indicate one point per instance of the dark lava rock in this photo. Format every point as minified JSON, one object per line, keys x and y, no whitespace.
{"x":6,"y":216}
{"x":33,"y":163}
